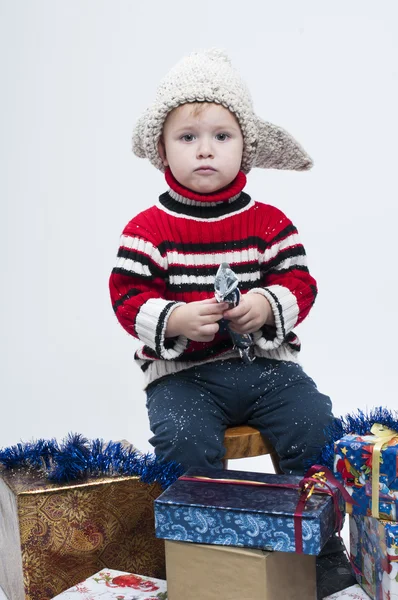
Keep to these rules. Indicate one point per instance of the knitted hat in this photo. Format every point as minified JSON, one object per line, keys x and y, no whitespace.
{"x":209,"y":76}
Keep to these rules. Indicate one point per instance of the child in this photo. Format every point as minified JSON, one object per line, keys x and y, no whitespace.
{"x":203,"y":133}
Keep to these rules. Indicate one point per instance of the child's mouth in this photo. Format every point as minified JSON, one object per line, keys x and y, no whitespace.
{"x":205,"y":170}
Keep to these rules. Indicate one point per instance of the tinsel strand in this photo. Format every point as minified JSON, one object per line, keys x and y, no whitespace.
{"x":78,"y":458}
{"x":359,"y":423}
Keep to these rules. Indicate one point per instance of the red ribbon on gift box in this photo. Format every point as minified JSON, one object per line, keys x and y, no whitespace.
{"x":317,"y":480}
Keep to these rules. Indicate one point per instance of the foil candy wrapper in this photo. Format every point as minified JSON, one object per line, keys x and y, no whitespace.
{"x":226,"y":290}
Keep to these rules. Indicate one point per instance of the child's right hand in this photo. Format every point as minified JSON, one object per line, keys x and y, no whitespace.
{"x":196,"y":320}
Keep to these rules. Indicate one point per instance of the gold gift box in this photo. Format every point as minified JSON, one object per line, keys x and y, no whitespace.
{"x":52,"y":536}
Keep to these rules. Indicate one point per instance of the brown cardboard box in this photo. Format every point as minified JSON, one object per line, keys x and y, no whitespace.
{"x":213,"y":572}
{"x":53,"y":536}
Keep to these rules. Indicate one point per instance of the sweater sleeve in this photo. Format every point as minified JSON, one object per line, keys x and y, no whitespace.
{"x":137,"y":285}
{"x":287,"y":283}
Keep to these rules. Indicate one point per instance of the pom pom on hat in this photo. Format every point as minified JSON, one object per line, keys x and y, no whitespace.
{"x":217,"y":54}
{"x":209,"y":76}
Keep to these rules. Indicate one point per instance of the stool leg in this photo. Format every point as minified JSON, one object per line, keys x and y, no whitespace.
{"x":275,"y":463}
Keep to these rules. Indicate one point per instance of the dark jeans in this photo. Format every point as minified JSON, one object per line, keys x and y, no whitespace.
{"x":190,"y":410}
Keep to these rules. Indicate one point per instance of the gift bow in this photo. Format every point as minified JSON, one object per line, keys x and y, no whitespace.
{"x":382,"y":435}
{"x":318,"y":480}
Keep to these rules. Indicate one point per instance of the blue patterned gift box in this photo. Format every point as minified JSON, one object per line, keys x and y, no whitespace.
{"x":243,"y":515}
{"x":374,"y":552}
{"x":353,"y":466}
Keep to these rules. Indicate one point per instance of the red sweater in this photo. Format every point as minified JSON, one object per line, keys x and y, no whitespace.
{"x":169,"y":254}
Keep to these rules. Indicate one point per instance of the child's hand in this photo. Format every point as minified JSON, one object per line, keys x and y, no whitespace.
{"x":252,"y":312}
{"x":196,"y":320}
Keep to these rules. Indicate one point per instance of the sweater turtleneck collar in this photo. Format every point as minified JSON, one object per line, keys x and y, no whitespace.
{"x":186,"y":196}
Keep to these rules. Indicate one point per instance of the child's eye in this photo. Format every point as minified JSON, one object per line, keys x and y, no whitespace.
{"x":188,"y":137}
{"x":221,"y":137}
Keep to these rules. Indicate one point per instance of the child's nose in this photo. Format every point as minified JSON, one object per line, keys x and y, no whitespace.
{"x":205,"y":149}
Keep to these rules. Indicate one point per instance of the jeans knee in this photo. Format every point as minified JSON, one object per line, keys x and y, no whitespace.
{"x":187,"y":448}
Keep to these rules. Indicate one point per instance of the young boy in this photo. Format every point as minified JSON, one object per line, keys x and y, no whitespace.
{"x":203,"y":133}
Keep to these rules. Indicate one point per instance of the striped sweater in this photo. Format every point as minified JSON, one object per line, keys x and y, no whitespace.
{"x":169,"y":255}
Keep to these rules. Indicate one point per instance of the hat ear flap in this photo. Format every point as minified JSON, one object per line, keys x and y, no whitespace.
{"x":277,"y":149}
{"x":139,"y":137}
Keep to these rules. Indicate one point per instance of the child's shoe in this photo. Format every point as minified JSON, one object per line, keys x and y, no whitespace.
{"x":333,"y":569}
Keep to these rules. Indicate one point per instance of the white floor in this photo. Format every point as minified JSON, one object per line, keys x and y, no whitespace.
{"x":2,"y":595}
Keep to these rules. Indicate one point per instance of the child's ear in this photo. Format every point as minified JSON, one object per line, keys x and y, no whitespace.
{"x":162,"y":152}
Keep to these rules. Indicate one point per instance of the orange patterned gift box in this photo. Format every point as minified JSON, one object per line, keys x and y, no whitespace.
{"x":52,"y":536}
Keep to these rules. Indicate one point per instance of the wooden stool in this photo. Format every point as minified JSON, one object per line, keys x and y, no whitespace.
{"x":244,"y":441}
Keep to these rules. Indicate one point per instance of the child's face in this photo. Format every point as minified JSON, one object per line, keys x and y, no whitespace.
{"x":210,"y":138}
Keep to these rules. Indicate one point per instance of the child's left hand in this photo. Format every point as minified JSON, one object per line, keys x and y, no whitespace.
{"x":252,"y":312}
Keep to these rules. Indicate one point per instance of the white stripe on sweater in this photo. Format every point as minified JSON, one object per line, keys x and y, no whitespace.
{"x":146,"y":326}
{"x":200,"y":259}
{"x":211,"y":220}
{"x":174,"y":257}
{"x":145,"y":247}
{"x":138,"y":268}
{"x":270,"y":253}
{"x":293,"y":261}
{"x":133,"y":266}
{"x":209,"y":279}
{"x":159,"y":368}
{"x":286,"y":311}
{"x":250,"y":254}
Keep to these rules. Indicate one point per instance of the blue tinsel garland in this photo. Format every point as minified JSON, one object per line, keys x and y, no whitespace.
{"x":358,"y":423}
{"x":78,"y":458}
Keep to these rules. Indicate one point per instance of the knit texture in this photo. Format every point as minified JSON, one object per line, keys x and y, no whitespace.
{"x":169,"y":255}
{"x":209,"y":76}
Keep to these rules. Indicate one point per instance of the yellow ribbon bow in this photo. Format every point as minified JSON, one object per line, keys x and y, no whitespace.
{"x":382,"y":435}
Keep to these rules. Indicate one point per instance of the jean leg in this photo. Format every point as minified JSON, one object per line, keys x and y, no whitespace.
{"x":294,"y":416}
{"x":187,"y":421}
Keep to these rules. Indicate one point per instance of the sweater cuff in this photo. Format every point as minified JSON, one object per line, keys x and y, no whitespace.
{"x":150,"y":327}
{"x":286,"y":311}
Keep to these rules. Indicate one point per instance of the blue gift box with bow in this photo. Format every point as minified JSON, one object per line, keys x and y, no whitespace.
{"x":354,"y":467}
{"x":236,"y":514}
{"x":374,"y":553}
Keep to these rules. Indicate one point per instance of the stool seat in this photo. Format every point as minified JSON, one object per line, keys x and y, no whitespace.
{"x":244,"y":441}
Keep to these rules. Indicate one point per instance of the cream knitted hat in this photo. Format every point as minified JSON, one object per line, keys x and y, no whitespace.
{"x":209,"y":76}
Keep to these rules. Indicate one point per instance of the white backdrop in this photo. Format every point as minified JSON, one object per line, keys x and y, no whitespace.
{"x":75,"y":76}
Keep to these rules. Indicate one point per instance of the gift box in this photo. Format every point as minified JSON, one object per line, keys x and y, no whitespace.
{"x":374,"y":552}
{"x":109,"y":584}
{"x":354,"y":592}
{"x":244,"y":514}
{"x":54,"y":535}
{"x":354,"y":466}
{"x":212,"y":572}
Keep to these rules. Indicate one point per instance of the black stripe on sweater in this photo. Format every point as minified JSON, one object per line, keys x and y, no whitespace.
{"x":144,"y":259}
{"x":315,"y":292}
{"x":199,"y":270}
{"x":160,"y":326}
{"x":290,"y":269}
{"x":288,"y":230}
{"x":292,"y":341}
{"x":213,"y":247}
{"x":130,"y":294}
{"x":142,"y":277}
{"x":204,"y":212}
{"x":196,"y":356}
{"x":280,"y":311}
{"x":209,"y":287}
{"x":283,"y":255}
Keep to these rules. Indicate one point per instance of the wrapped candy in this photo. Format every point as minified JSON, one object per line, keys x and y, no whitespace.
{"x":226,"y":290}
